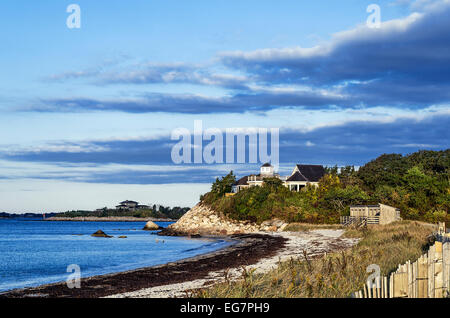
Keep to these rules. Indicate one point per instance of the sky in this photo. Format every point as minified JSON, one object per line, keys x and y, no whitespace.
{"x":87,"y":113}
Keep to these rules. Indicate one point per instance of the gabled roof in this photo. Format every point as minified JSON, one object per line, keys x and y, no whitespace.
{"x":308,"y":173}
{"x":266,"y":165}
{"x":297,"y":176}
{"x":312,"y":173}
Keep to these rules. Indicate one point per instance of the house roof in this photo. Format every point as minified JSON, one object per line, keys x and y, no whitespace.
{"x":128,"y":201}
{"x":242,"y":181}
{"x":309,"y":173}
{"x":297,"y":176}
{"x":266,"y":165}
{"x":365,"y":206}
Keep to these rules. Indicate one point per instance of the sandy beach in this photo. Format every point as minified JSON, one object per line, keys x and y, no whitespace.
{"x":316,"y":243}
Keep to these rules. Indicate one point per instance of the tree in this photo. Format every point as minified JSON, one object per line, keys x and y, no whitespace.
{"x":328,"y":182}
{"x":386,"y":169}
{"x":341,"y":198}
{"x":273,"y":183}
{"x":331,"y":170}
{"x":223,"y":185}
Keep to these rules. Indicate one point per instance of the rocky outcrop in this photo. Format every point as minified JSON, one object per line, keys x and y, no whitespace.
{"x":151,"y":226}
{"x":100,"y":233}
{"x":274,"y":225}
{"x":201,"y":220}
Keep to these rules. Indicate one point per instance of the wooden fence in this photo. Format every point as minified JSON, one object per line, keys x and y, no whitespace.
{"x":428,"y":277}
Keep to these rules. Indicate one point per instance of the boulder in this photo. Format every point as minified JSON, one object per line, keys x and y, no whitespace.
{"x":274,"y":225}
{"x":100,"y":233}
{"x":123,"y":236}
{"x":282,"y":227}
{"x":151,"y":226}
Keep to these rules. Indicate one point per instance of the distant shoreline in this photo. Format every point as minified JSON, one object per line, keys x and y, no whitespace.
{"x":107,"y":219}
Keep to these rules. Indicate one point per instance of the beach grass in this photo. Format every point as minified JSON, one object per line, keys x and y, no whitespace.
{"x":334,"y":275}
{"x":306,"y":227}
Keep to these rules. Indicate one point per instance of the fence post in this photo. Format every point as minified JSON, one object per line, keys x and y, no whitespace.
{"x":431,"y":260}
{"x":438,"y":275}
{"x":400,"y":284}
{"x":410,"y":278}
{"x":369,"y":290}
{"x":416,"y":278}
{"x":391,"y":286}
{"x":446,"y":267}
{"x":422,"y":277}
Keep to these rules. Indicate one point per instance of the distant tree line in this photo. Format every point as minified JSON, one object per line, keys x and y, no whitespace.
{"x":5,"y":215}
{"x":417,"y":184}
{"x":157,"y":211}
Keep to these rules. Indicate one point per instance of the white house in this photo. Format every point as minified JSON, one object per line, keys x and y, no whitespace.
{"x":299,"y":178}
{"x":303,"y":175}
{"x":131,"y":205}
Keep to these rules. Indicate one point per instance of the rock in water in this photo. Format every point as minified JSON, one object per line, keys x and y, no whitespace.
{"x":151,"y":226}
{"x":100,"y":233}
{"x":123,"y":236}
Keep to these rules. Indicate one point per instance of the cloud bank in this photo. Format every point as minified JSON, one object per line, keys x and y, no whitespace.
{"x":405,"y":63}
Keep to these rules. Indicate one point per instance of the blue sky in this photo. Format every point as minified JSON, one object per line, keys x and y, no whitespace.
{"x":86,"y":114}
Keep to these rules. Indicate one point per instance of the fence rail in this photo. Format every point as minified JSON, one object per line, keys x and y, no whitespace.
{"x":428,"y":277}
{"x":359,"y":220}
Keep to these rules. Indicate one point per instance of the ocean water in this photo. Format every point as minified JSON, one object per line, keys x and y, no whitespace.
{"x":34,"y":252}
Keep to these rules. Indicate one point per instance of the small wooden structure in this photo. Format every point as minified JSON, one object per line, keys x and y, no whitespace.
{"x":371,"y":214}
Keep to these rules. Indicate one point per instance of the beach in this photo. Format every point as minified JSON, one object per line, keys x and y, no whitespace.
{"x":259,"y":251}
{"x":315,"y":243}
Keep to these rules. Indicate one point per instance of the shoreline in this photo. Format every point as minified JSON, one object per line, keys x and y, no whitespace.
{"x":248,"y":250}
{"x":260,"y":252}
{"x":106,"y":219}
{"x":315,"y":243}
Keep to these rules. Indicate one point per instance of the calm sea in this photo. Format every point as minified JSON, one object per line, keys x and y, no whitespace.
{"x":36,"y":252}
